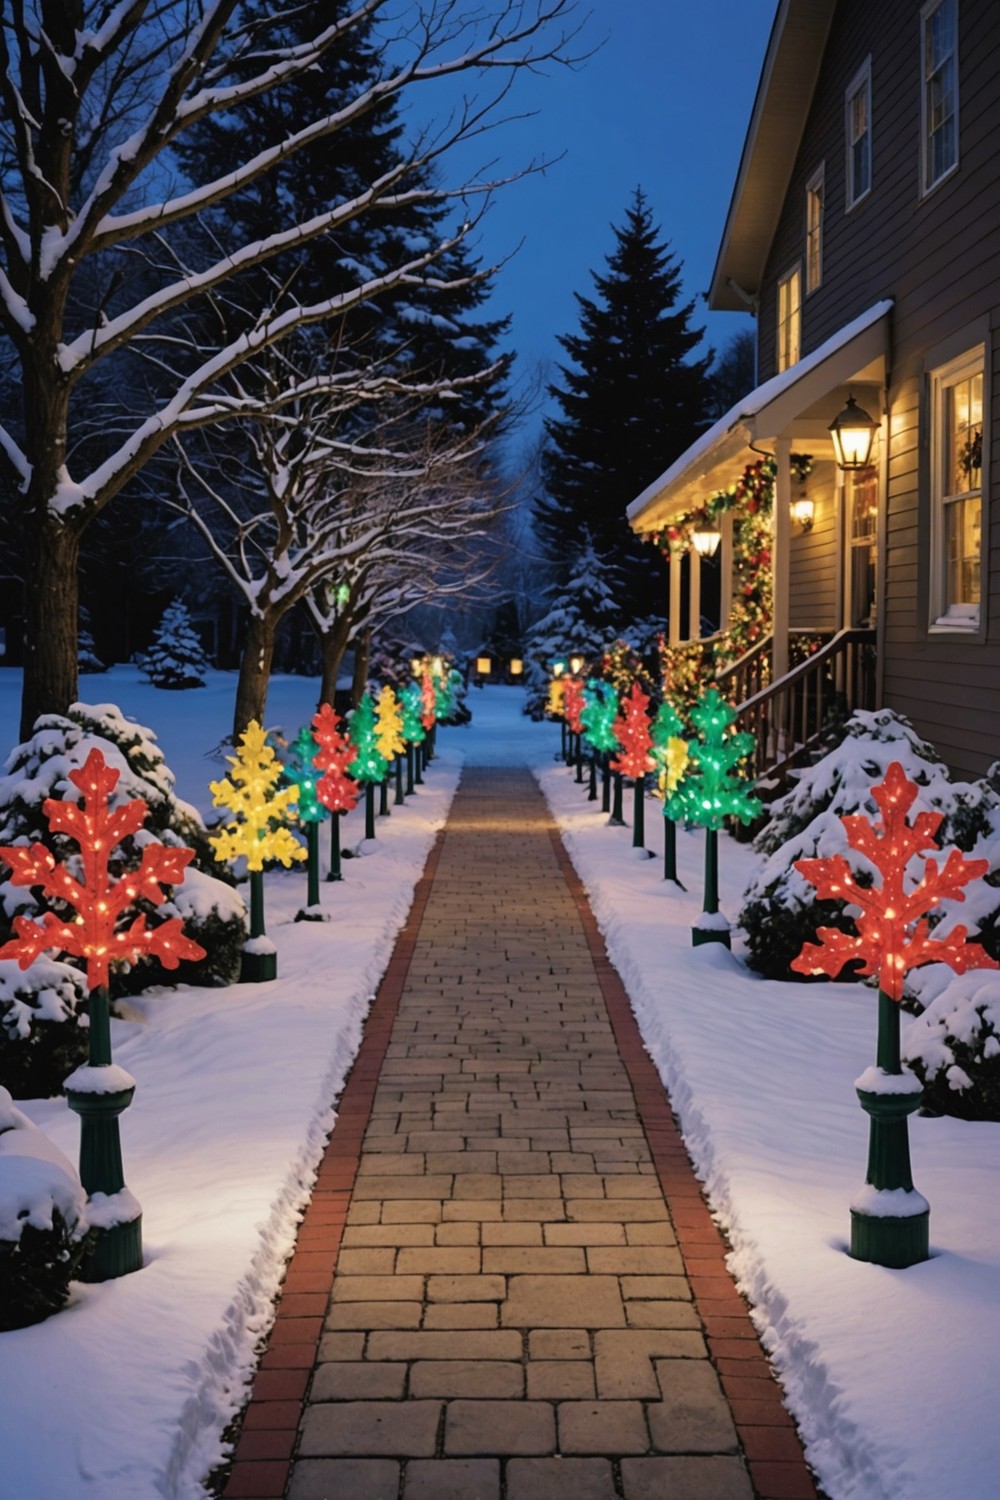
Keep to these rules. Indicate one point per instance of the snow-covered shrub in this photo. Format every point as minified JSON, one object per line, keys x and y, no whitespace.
{"x":44,"y":1234}
{"x":780,"y":907}
{"x":215,"y":915}
{"x":954,"y":1044}
{"x":43,"y":1030}
{"x":175,"y":658}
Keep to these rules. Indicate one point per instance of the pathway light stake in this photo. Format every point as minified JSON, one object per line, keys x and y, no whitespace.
{"x":428,"y":714}
{"x":301,"y":771}
{"x":606,"y":782}
{"x":411,"y":702}
{"x":889,"y":1218}
{"x":100,"y":1091}
{"x":574,"y":705}
{"x":398,"y":763}
{"x":368,"y":765}
{"x":389,"y":741}
{"x":598,"y":715}
{"x":556,"y":704}
{"x":258,"y":831}
{"x":634,"y":758}
{"x":670,"y":752}
{"x":336,"y":788}
{"x":711,"y":791}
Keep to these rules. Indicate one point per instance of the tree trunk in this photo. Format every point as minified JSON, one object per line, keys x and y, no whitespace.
{"x":255,"y":672}
{"x":333,"y":644}
{"x":362,"y":647}
{"x":51,"y":604}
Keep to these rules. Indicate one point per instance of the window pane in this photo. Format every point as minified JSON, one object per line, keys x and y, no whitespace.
{"x":940,"y":92}
{"x":962,"y":537}
{"x":964,"y":436}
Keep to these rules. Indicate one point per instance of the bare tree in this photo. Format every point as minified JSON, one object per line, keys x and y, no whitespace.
{"x":360,"y":526}
{"x":95,"y":94}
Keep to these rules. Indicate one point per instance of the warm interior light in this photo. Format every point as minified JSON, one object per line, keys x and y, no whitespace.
{"x":576,"y":665}
{"x":803,"y":512}
{"x":706,"y":541}
{"x":483,"y":666}
{"x":558,"y":668}
{"x":516,"y":666}
{"x":417,"y":665}
{"x":853,"y":433}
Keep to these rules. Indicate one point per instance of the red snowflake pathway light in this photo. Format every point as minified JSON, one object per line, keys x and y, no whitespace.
{"x":890,"y":1220}
{"x":99,"y":1092}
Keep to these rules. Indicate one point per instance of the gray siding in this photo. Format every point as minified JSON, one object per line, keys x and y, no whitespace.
{"x":938,"y":258}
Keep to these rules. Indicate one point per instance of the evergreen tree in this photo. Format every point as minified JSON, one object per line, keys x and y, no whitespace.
{"x":631,"y":402}
{"x":175,"y":658}
{"x":582,"y":619}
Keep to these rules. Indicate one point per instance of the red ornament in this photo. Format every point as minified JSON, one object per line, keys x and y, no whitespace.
{"x":632,"y":733}
{"x":337,"y":791}
{"x":892,"y":929}
{"x":573,"y":704}
{"x":98,"y":899}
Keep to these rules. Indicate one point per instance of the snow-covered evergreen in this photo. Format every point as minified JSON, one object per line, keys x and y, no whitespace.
{"x":583,"y":618}
{"x":175,"y":658}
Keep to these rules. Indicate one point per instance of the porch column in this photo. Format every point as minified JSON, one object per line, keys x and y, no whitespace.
{"x":674,"y":637}
{"x":726,"y":583}
{"x":694,"y":595}
{"x":781,"y":529}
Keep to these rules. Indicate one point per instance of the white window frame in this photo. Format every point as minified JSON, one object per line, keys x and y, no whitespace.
{"x":861,"y":82}
{"x":789,"y":352}
{"x":815,"y":195}
{"x":952,"y":615}
{"x":927,"y":185}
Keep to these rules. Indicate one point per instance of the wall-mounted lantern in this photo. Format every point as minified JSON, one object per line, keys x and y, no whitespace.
{"x":853,"y":433}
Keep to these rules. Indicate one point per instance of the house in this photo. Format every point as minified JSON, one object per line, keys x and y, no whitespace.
{"x":863,"y":237}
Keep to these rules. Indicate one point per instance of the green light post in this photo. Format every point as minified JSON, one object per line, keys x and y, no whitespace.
{"x":369,"y":765}
{"x":711,"y":791}
{"x":889,"y":1219}
{"x":301,"y":771}
{"x":411,"y":702}
{"x":597,"y":717}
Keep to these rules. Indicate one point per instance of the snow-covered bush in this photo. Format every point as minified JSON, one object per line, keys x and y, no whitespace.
{"x":43,"y":1030}
{"x":780,"y":907}
{"x":954,"y":1044}
{"x":215,"y":916}
{"x":175,"y":658}
{"x":44,"y":1234}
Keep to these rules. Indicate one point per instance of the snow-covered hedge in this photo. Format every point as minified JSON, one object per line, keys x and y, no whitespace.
{"x":780,"y":908}
{"x":44,"y":1233}
{"x":214,"y":914}
{"x":43,"y":1026}
{"x":954,"y":1044}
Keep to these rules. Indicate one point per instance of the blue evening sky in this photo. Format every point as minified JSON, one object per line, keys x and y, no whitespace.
{"x":663,"y":104}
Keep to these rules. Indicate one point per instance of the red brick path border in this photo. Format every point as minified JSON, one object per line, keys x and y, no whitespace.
{"x":262,"y":1459}
{"x":778,"y":1469}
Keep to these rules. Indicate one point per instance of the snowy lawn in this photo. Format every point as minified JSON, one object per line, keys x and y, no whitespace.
{"x":891,"y":1374}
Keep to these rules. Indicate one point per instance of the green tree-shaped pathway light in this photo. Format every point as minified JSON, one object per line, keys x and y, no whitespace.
{"x":301,"y":771}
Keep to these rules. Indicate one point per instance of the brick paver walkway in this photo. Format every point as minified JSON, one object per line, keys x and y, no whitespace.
{"x":530,"y":1298}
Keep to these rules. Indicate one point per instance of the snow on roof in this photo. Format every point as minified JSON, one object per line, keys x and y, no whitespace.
{"x":710,"y":446}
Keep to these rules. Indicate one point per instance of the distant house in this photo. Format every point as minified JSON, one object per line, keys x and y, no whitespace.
{"x":863,"y":235}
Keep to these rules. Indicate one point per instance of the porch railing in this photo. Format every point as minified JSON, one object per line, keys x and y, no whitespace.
{"x":789,"y":717}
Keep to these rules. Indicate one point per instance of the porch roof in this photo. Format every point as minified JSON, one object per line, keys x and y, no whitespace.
{"x":780,"y":407}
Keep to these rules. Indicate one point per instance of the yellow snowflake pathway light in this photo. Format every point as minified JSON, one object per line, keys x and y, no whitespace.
{"x":671,"y":754}
{"x":390,"y":742}
{"x":100,"y":1091}
{"x":889,"y":1218}
{"x":258,"y":832}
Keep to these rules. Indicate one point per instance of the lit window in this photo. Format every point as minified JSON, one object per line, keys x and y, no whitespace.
{"x":939,"y":100}
{"x":957,"y":491}
{"x":859,"y":134}
{"x":814,"y":231}
{"x":789,"y":318}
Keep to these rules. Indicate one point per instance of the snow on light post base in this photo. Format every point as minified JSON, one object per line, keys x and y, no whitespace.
{"x":258,"y":956}
{"x":889,"y":1218}
{"x":711,"y":926}
{"x":100,"y":1091}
